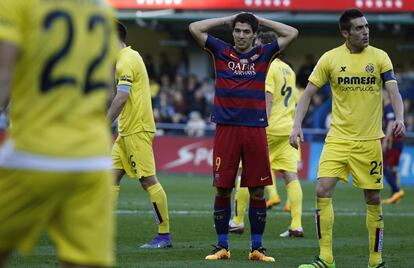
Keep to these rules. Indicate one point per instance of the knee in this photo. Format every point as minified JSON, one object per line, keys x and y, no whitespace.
{"x":322,"y":191}
{"x":372,"y":197}
{"x":147,"y":182}
{"x":256,"y":193}
{"x":289,"y":176}
{"x":223,"y":192}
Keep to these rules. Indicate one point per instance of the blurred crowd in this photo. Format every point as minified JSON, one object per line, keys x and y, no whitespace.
{"x":178,"y":96}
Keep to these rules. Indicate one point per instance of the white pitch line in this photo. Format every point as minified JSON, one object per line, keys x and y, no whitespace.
{"x":305,"y":213}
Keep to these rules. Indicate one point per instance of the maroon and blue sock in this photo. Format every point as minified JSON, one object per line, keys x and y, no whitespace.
{"x":257,"y":217}
{"x":222,"y":212}
{"x":391,"y":178}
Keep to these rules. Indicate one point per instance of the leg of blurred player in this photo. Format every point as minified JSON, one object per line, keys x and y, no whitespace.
{"x":241,"y":199}
{"x":273,"y":196}
{"x":391,"y":163}
{"x":119,"y":173}
{"x":295,"y":196}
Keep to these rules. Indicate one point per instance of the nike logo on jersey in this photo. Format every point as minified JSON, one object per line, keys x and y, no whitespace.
{"x":234,"y":56}
{"x":263,"y":179}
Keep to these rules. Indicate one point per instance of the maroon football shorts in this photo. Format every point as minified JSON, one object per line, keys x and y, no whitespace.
{"x":392,"y":157}
{"x":248,"y":144}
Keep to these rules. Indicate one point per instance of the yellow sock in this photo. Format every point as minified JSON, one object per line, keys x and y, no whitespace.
{"x":294,"y":193}
{"x":324,"y":225}
{"x":272,"y":189}
{"x":375,"y":226}
{"x":241,"y":198}
{"x":160,"y":207}
{"x":115,"y":193}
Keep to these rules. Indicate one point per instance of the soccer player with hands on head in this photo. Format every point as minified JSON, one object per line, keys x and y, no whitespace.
{"x":240,"y":115}
{"x":356,"y":72}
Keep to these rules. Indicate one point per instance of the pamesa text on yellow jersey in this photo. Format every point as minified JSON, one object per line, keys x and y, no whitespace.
{"x":356,"y":83}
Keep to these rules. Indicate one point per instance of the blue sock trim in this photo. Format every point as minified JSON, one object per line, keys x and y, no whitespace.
{"x":256,"y":240}
{"x":223,"y":240}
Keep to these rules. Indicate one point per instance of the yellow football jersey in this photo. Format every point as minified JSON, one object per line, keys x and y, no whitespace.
{"x":136,"y":116}
{"x":61,"y":81}
{"x":281,"y":82}
{"x":356,"y":85}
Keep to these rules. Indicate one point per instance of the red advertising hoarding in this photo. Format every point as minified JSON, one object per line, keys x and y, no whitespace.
{"x":195,"y":155}
{"x":269,"y":5}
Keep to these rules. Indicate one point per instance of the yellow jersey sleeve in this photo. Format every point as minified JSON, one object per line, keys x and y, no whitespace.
{"x":386,"y":69}
{"x":320,"y":74}
{"x":11,"y":21}
{"x":124,"y":72}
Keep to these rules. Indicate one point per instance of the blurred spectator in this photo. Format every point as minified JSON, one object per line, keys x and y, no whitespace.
{"x":149,"y":63}
{"x":178,"y":102}
{"x":305,"y":70}
{"x":183,"y":63}
{"x":179,"y":83}
{"x":196,"y":125}
{"x":192,"y":85}
{"x":154,"y":87}
{"x":165,"y":66}
{"x":163,"y":108}
{"x":199,"y":104}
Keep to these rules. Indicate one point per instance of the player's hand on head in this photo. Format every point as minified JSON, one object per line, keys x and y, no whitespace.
{"x":398,"y":128}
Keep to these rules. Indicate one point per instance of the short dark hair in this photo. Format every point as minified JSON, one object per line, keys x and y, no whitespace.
{"x":122,"y":31}
{"x":267,"y":37}
{"x":347,"y":16}
{"x":247,"y":18}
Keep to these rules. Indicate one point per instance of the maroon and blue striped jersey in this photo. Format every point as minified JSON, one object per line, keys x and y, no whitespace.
{"x":240,"y":83}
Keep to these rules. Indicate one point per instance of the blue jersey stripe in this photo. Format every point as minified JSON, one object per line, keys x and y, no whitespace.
{"x":259,"y":76}
{"x":240,"y":117}
{"x":240,"y":93}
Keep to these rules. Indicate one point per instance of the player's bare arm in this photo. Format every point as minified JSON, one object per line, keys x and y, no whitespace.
{"x":8,"y":57}
{"x":286,"y":34}
{"x":117,"y":105}
{"x":269,"y":103}
{"x":397,"y":104}
{"x":199,"y":29}
{"x":300,"y":112}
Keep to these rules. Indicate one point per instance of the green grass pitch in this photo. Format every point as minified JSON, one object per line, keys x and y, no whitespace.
{"x":190,"y":202}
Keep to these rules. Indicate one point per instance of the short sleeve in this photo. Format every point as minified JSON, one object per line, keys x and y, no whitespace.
{"x":214,"y":44}
{"x":124,"y":73}
{"x":271,"y":49}
{"x":320,"y":74}
{"x":387,"y":73}
{"x":11,"y":20}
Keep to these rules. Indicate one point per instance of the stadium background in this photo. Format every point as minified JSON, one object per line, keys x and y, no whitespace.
{"x":182,"y":85}
{"x":182,"y":75}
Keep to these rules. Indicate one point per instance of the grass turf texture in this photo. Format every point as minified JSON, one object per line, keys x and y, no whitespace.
{"x":190,"y":202}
